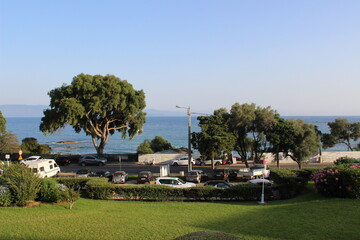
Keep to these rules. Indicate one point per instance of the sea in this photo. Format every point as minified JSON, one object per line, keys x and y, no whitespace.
{"x":173,"y":129}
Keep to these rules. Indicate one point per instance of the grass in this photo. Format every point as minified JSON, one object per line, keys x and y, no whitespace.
{"x":307,"y":217}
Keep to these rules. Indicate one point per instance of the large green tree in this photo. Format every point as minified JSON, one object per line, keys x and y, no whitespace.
{"x":98,"y":105}
{"x":341,"y":132}
{"x":2,"y":123}
{"x":250,"y":124}
{"x":31,"y":145}
{"x":306,"y":142}
{"x":214,"y":137}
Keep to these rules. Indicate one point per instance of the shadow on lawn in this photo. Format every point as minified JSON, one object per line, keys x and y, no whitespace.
{"x":308,"y":216}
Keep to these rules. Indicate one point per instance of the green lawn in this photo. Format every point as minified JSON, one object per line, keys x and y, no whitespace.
{"x":306,"y":217}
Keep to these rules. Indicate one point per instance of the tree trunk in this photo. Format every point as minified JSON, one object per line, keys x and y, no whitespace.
{"x":277,"y":160}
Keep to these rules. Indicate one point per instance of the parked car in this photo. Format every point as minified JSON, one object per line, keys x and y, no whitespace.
{"x":221,"y":174}
{"x":84,"y":173}
{"x":144,"y":177}
{"x":119,"y":177}
{"x":174,"y":182}
{"x":182,"y":161}
{"x":106,"y":174}
{"x":200,"y":162}
{"x":62,"y":160}
{"x":233,"y":174}
{"x":91,"y":160}
{"x":196,"y":176}
{"x":32,"y":158}
{"x":256,"y":171}
{"x":218,"y":184}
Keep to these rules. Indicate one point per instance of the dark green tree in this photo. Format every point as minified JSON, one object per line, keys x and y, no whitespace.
{"x":98,"y":105}
{"x":306,"y":142}
{"x":145,"y":147}
{"x":159,"y":144}
{"x":214,"y":137}
{"x":341,"y":132}
{"x":281,"y":138}
{"x":2,"y":123}
{"x":31,"y":145}
{"x":250,"y":124}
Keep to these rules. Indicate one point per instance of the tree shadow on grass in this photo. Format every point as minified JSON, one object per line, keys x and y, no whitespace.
{"x":308,"y":216}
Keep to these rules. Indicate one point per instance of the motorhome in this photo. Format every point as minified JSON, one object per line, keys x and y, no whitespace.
{"x":43,"y":167}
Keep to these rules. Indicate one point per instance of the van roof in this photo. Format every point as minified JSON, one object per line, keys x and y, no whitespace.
{"x":40,"y":161}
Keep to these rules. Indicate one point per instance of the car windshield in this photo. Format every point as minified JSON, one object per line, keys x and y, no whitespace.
{"x":182,"y":181}
{"x":118,"y":174}
{"x":193,"y":173}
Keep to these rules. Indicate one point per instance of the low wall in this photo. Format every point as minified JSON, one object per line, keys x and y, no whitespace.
{"x":326,"y":157}
{"x":162,"y":158}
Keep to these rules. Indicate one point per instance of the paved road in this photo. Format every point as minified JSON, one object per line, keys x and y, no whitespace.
{"x":134,"y":168}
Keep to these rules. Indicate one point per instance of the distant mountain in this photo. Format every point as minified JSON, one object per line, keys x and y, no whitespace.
{"x":22,"y":110}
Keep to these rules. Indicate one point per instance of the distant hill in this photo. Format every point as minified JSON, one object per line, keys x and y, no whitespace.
{"x":22,"y":110}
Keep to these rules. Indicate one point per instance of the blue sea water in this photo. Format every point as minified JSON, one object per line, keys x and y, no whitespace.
{"x":174,"y":129}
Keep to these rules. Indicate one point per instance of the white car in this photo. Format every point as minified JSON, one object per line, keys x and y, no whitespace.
{"x":33,"y":158}
{"x":174,"y":182}
{"x":182,"y":162}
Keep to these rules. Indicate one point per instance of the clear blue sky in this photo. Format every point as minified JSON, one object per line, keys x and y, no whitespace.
{"x":299,"y":57}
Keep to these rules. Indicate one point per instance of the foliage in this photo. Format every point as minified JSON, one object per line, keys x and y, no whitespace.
{"x":159,"y":144}
{"x":250,"y":125}
{"x":150,"y":192}
{"x":346,"y":160}
{"x":99,"y":188}
{"x":51,"y":191}
{"x":5,"y":196}
{"x":306,"y":142}
{"x":74,"y":182}
{"x":145,"y":147}
{"x":214,"y":137}
{"x":23,"y":184}
{"x":2,"y":123}
{"x":98,"y":105}
{"x":8,"y":143}
{"x":31,"y":145}
{"x":339,"y":181}
{"x":341,"y":131}
{"x":281,"y":137}
{"x":288,"y":183}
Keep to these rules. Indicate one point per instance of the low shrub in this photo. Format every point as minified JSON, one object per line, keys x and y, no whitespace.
{"x":99,"y":188}
{"x":288,"y":183}
{"x":22,"y":183}
{"x":5,"y":196}
{"x":74,"y":182}
{"x":339,"y":181}
{"x":50,"y":191}
{"x":150,"y":192}
{"x":346,"y":160}
{"x":203,"y":193}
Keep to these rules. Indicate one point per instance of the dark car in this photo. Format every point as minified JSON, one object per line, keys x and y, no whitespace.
{"x":221,"y":174}
{"x":233,"y":175}
{"x":63,"y":160}
{"x":84,"y":173}
{"x":106,"y":174}
{"x":144,"y":177}
{"x":92,"y":160}
{"x":218,"y":184}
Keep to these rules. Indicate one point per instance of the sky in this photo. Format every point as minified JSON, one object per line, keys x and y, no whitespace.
{"x":299,"y":57}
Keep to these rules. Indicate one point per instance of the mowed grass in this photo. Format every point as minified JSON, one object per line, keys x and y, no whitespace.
{"x":306,"y":217}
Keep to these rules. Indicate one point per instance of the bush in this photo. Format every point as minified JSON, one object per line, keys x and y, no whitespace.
{"x":99,"y":189}
{"x":288,"y":183}
{"x":339,"y":181}
{"x":22,"y":183}
{"x":5,"y":196}
{"x":150,"y":192}
{"x":50,"y":191}
{"x":346,"y":160}
{"x":73,"y":182}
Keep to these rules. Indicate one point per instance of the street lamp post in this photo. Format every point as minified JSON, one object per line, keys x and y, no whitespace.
{"x":189,"y":136}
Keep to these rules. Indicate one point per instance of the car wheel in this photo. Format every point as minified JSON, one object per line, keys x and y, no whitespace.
{"x":175,"y":164}
{"x":217,"y":164}
{"x":101,"y":164}
{"x":82,"y":164}
{"x":202,"y":164}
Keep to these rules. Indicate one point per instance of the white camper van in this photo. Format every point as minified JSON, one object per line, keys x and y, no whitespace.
{"x":43,"y":167}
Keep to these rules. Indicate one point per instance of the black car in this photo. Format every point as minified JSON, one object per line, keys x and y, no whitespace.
{"x":221,"y":174}
{"x":218,"y":184}
{"x":144,"y":177}
{"x":63,"y":160}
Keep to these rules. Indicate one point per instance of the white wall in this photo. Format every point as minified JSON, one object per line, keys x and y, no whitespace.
{"x":329,"y":157}
{"x":163,"y":158}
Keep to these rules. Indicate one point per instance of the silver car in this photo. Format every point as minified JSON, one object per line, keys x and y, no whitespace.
{"x":92,"y":160}
{"x":119,"y":177}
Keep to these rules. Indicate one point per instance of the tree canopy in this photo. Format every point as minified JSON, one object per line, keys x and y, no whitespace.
{"x":8,"y":141}
{"x":98,"y":105}
{"x":343,"y":132}
{"x":31,"y":145}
